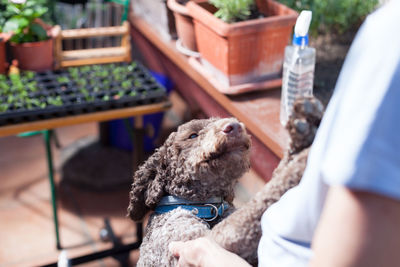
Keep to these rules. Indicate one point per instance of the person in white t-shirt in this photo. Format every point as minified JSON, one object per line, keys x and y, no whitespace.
{"x":346,"y":209}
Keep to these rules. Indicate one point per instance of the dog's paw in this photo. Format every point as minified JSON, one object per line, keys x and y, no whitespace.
{"x":303,"y":123}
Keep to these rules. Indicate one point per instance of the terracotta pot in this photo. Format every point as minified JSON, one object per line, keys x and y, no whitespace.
{"x":246,"y":51}
{"x":37,"y":56}
{"x":2,"y":56}
{"x":184,"y":24}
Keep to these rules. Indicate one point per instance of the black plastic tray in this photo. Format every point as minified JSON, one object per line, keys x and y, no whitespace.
{"x":98,"y":97}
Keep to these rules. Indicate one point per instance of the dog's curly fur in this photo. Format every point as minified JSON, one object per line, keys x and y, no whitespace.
{"x":240,"y":233}
{"x":202,"y":159}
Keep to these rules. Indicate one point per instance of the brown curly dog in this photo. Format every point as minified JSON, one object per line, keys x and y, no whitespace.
{"x":198,"y":166}
{"x":202,"y":160}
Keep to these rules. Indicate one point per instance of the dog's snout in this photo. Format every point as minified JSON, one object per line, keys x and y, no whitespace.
{"x":232,"y":128}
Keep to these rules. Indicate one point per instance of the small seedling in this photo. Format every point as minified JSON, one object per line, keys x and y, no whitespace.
{"x":55,"y":101}
{"x":126,"y":85}
{"x":232,"y":11}
{"x":63,"y":79}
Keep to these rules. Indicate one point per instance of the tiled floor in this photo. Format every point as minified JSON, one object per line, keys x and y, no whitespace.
{"x":26,"y":225}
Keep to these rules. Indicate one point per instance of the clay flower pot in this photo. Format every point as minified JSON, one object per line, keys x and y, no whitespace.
{"x":184,"y":24}
{"x":36,"y":56}
{"x":246,"y":51}
{"x":4,"y":37}
{"x":2,"y":55}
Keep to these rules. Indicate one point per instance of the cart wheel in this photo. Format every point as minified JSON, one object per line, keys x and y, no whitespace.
{"x":105,"y":235}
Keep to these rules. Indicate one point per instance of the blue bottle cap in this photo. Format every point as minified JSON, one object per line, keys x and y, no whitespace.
{"x":300,"y":40}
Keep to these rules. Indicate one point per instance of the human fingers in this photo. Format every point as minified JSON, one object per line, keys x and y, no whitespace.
{"x":176,"y":247}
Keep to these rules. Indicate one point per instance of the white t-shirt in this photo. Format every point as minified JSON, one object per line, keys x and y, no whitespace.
{"x":357,"y":144}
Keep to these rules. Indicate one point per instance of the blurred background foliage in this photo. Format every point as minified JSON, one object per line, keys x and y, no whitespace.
{"x":334,"y":16}
{"x":329,"y":16}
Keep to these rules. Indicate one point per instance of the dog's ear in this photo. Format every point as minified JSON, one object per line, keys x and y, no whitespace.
{"x":149,"y":181}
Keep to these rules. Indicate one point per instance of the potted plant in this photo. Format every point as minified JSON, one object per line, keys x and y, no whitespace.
{"x":245,"y":40}
{"x":3,"y":60}
{"x":31,"y":42}
{"x":3,"y":39}
{"x":183,"y":23}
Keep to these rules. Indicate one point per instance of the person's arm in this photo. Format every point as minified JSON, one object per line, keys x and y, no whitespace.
{"x":203,"y":252}
{"x":357,"y":229}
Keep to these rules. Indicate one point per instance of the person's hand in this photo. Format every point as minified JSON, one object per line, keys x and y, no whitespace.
{"x":204,"y":252}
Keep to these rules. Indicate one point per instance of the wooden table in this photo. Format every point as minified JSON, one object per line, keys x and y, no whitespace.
{"x":83,"y":118}
{"x":258,"y":110}
{"x":119,"y":113}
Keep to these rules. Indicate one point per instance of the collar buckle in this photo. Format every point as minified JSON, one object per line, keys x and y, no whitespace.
{"x":215,"y":211}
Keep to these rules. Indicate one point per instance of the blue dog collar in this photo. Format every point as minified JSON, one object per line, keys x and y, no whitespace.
{"x":207,"y":210}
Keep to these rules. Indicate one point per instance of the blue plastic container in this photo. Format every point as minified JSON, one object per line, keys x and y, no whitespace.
{"x":118,"y":134}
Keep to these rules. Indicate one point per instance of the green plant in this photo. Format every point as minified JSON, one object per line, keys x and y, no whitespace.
{"x":118,"y":76}
{"x":54,"y":100}
{"x":81,"y":82}
{"x":120,"y":94}
{"x":84,"y":69}
{"x":22,"y":20}
{"x":86,"y":94}
{"x":2,"y":20}
{"x":131,"y":67}
{"x":32,"y":86}
{"x":4,"y":86}
{"x":74,"y":72}
{"x":62,"y":79}
{"x":126,"y":85}
{"x":334,"y":16}
{"x":233,"y":10}
{"x":106,"y":83}
{"x":3,"y":107}
{"x":16,"y":92}
{"x":96,"y":88}
{"x":93,"y":82}
{"x":102,"y":74}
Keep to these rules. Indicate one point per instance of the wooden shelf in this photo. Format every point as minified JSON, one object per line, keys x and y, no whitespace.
{"x":259,"y":110}
{"x":82,"y":118}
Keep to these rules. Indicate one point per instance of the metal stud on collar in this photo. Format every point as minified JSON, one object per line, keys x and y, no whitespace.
{"x":195,"y":211}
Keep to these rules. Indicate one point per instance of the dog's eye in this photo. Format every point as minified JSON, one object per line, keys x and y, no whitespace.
{"x":193,"y":135}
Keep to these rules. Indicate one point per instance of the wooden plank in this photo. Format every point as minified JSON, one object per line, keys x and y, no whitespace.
{"x":93,"y":32}
{"x":93,"y":53}
{"x":83,"y":118}
{"x":91,"y":61}
{"x":258,"y":110}
{"x":57,"y":45}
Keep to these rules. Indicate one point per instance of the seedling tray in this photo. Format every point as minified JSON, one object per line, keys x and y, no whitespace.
{"x":76,"y":90}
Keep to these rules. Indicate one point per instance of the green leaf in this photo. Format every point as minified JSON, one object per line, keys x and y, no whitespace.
{"x":15,"y":24}
{"x":38,"y":31}
{"x":12,"y":9}
{"x":27,"y":12}
{"x":40,"y":12}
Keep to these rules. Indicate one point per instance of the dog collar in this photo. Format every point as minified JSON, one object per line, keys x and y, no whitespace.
{"x":207,"y":210}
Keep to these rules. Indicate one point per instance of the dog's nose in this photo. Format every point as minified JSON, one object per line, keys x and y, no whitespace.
{"x":232,"y":128}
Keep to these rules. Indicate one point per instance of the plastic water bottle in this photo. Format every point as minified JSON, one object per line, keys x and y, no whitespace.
{"x":298,"y":67}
